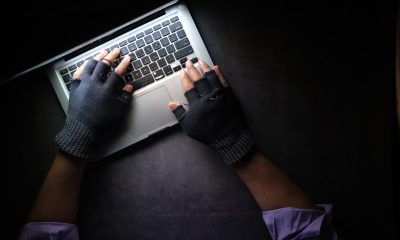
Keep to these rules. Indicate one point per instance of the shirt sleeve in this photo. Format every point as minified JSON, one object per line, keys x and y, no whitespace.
{"x":296,"y":224}
{"x":49,"y":231}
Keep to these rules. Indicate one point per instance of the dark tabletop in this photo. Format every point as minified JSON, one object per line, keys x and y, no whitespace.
{"x":316,"y":84}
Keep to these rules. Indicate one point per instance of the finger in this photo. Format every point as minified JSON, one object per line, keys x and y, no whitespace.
{"x":110,"y":58}
{"x":172,"y":105}
{"x":121,"y":68}
{"x":128,"y":88}
{"x":125,"y":97}
{"x":179,"y":112}
{"x":192,"y":71}
{"x":220,"y":76}
{"x":101,"y":55}
{"x":78,"y":73}
{"x":186,"y":83}
{"x":204,"y":67}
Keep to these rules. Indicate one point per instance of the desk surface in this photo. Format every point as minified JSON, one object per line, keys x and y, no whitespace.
{"x":317,"y":93}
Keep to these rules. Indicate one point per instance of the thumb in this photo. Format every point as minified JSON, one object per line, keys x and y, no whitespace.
{"x":172,"y":105}
{"x":177,"y":110}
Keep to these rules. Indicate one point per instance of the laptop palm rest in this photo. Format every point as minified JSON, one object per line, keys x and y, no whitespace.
{"x":149,"y":114}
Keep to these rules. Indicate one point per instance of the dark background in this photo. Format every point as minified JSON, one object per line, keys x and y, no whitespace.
{"x":316,"y":83}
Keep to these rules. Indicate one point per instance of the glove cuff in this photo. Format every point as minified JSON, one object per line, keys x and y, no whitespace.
{"x":234,"y":146}
{"x":76,"y":140}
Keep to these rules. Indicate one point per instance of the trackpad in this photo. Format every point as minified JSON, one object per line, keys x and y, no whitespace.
{"x":150,"y":112}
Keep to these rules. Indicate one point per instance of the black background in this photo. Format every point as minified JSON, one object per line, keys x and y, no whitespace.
{"x":316,"y":83}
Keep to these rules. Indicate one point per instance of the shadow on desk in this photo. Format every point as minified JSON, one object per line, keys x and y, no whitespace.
{"x":316,"y":88}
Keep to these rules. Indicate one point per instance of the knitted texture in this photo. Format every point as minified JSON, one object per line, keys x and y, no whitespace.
{"x":76,"y":139}
{"x":234,"y":146}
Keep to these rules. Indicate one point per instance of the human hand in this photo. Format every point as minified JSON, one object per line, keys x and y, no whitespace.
{"x":214,"y":116}
{"x":97,"y":97}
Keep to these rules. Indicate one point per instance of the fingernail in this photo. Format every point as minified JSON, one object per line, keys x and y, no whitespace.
{"x":127,"y":57}
{"x":188,"y":62}
{"x":115,"y":49}
{"x":172,"y":105}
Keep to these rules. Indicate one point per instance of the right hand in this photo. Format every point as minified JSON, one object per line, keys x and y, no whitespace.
{"x":214,"y":116}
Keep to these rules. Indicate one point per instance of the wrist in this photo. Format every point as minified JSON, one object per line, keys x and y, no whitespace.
{"x":234,"y":146}
{"x":76,"y":139}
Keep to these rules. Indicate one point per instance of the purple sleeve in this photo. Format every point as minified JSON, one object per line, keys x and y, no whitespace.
{"x":295,"y":223}
{"x":49,"y":231}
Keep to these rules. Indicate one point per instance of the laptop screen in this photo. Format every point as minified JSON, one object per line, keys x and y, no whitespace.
{"x":42,"y":33}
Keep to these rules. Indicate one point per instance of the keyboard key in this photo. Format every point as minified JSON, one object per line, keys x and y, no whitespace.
{"x":170,"y":49}
{"x":168,"y":70}
{"x":164,"y":42}
{"x":182,"y":43}
{"x":145,"y":70}
{"x":115,"y":64}
{"x":177,"y":68}
{"x":140,"y":43}
{"x":153,"y":56}
{"x":165,"y":32}
{"x":139,"y":35}
{"x":130,"y":68}
{"x":183,"y":60}
{"x":148,"y":49}
{"x":137,"y":74}
{"x":183,"y":65}
{"x":123,"y":43}
{"x":68,"y":86}
{"x":157,"y":27}
{"x":165,"y":23}
{"x":114,"y":46}
{"x":158,"y":74}
{"x":148,"y":39}
{"x":80,"y":63}
{"x":146,"y":60}
{"x":153,"y":66}
{"x":64,"y":71}
{"x":139,"y":53}
{"x":181,"y":33}
{"x":183,"y":52}
{"x":67,"y":78}
{"x":162,"y":62}
{"x":128,"y":78}
{"x":132,"y":47}
{"x":137,"y":64}
{"x":72,"y":74}
{"x":173,"y":38}
{"x":72,"y":67}
{"x":162,"y":52}
{"x":175,"y":27}
{"x":133,"y":57}
{"x":156,"y":45}
{"x":157,"y":35}
{"x":108,"y":50}
{"x":170,"y":59}
{"x":194,"y":60}
{"x":123,"y":51}
{"x":144,"y":81}
{"x":131,"y":39}
{"x":174,"y":19}
{"x":148,"y":31}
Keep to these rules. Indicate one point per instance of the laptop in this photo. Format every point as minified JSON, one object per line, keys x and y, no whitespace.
{"x":159,"y":43}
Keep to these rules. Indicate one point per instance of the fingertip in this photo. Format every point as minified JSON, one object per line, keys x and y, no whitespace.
{"x":172,"y":105}
{"x":128,"y":88}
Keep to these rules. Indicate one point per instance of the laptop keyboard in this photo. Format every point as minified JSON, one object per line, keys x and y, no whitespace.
{"x":155,"y":53}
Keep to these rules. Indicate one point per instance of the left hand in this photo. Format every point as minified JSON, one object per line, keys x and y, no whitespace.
{"x":96,"y":99}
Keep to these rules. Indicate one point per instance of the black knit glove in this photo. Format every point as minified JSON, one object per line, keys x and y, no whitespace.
{"x":214,"y":118}
{"x":95,"y":101}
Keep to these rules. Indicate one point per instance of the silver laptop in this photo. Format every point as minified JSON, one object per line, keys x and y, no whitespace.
{"x":159,"y":43}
